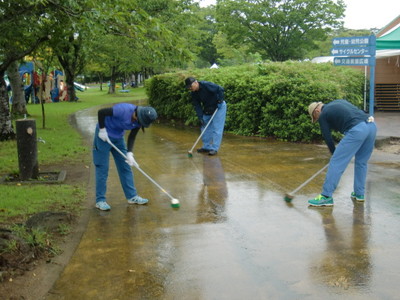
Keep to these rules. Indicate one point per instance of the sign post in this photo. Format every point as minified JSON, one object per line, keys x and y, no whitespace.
{"x":357,"y":51}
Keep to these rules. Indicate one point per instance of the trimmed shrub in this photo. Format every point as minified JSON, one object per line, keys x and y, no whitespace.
{"x":266,"y":100}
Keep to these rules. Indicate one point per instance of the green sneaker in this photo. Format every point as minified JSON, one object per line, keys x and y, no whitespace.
{"x":321,"y":201}
{"x":359,"y":198}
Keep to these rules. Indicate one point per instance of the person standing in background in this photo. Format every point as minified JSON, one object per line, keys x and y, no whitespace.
{"x":207,"y":97}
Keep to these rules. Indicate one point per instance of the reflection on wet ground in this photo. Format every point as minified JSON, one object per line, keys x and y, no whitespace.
{"x":234,"y":237}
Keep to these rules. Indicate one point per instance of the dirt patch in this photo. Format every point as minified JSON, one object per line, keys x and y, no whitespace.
{"x":43,"y":178}
{"x":21,"y":246}
{"x":389,"y":145}
{"x":29,"y":273}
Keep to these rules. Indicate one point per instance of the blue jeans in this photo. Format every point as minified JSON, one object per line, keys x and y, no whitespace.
{"x":212,"y":137}
{"x":101,"y":160}
{"x":359,"y":142}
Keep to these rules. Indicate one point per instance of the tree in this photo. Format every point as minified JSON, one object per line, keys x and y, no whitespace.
{"x":230,"y":56}
{"x":207,"y":30}
{"x":17,"y":87}
{"x":151,"y":39}
{"x":18,"y":38}
{"x":278,"y":29}
{"x":71,"y":55}
{"x":173,"y":42}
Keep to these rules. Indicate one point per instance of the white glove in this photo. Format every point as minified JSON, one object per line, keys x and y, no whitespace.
{"x":130,"y":160}
{"x":103,"y":134}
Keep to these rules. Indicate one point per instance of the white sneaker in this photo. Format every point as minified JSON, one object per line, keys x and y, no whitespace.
{"x":103,"y":205}
{"x":137,"y":200}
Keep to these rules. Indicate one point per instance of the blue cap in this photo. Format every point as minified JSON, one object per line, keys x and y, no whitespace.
{"x":146,"y":115}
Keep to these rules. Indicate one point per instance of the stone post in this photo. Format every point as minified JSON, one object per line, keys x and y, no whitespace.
{"x":27,"y":149}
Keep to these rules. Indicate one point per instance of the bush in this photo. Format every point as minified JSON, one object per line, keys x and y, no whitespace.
{"x":267,"y":100}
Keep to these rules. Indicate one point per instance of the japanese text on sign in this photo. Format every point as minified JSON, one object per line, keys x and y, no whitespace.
{"x":354,"y":41}
{"x":353,"y":51}
{"x":354,"y":61}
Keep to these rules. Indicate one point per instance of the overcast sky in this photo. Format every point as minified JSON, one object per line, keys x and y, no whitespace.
{"x":362,"y":14}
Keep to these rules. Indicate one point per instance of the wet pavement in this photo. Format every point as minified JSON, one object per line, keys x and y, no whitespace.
{"x":234,"y":237}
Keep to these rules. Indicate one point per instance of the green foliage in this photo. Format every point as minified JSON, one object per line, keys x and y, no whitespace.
{"x":37,"y":239}
{"x":29,"y":199}
{"x":278,"y":30}
{"x":172,"y":99}
{"x":64,"y":229}
{"x":268,"y":100}
{"x":10,"y":246}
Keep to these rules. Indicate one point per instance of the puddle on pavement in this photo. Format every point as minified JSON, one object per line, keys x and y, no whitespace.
{"x":234,"y":237}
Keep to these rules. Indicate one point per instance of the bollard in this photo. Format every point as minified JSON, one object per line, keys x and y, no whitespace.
{"x":27,"y":149}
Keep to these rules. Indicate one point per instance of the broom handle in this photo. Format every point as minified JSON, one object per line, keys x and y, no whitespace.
{"x":309,"y":179}
{"x":204,"y":130}
{"x":141,"y":171}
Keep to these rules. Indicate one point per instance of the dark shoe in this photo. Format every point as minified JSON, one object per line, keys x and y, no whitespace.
{"x":212,"y":152}
{"x":202,"y":150}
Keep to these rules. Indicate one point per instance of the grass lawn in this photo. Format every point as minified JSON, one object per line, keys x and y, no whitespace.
{"x":63,"y":146}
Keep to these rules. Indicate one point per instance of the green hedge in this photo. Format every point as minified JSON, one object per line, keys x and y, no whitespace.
{"x":267,"y":100}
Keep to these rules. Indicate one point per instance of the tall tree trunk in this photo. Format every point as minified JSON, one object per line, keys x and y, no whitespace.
{"x":18,"y":108}
{"x":71,"y":88}
{"x":6,"y":129}
{"x":70,"y":79}
{"x":42,"y":98}
{"x":71,"y":59}
{"x":111,"y":89}
{"x":101,"y":81}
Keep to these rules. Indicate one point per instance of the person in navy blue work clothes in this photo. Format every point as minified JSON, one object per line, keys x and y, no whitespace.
{"x":206,"y":98}
{"x":359,"y":131}
{"x":112,"y":123}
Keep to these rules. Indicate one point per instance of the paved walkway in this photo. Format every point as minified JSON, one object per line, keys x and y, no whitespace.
{"x":388,"y":124}
{"x":234,"y":236}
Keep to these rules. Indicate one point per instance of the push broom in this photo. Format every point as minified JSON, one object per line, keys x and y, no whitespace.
{"x":289,"y":196}
{"x":190,"y":152}
{"x":174,"y":202}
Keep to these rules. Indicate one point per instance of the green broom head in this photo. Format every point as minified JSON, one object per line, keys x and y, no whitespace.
{"x":288,"y":198}
{"x":175,"y":203}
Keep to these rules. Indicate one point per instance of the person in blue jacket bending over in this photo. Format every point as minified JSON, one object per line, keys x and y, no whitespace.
{"x":207,"y":97}
{"x":112,"y":123}
{"x":359,"y":131}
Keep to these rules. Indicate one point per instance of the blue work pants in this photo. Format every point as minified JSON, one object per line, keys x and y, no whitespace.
{"x":101,"y":160}
{"x":359,"y":143}
{"x":212,"y":137}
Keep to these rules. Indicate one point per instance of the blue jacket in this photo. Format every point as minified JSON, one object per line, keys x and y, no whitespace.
{"x":120,"y":120}
{"x":339,"y":115}
{"x":207,"y":98}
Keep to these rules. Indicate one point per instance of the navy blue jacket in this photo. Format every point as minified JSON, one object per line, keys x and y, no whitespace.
{"x":339,"y":115}
{"x":206,"y":99}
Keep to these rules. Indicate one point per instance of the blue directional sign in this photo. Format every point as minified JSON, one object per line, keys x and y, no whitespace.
{"x":353,"y":51}
{"x":354,"y":61}
{"x":355,"y":41}
{"x":357,"y":51}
